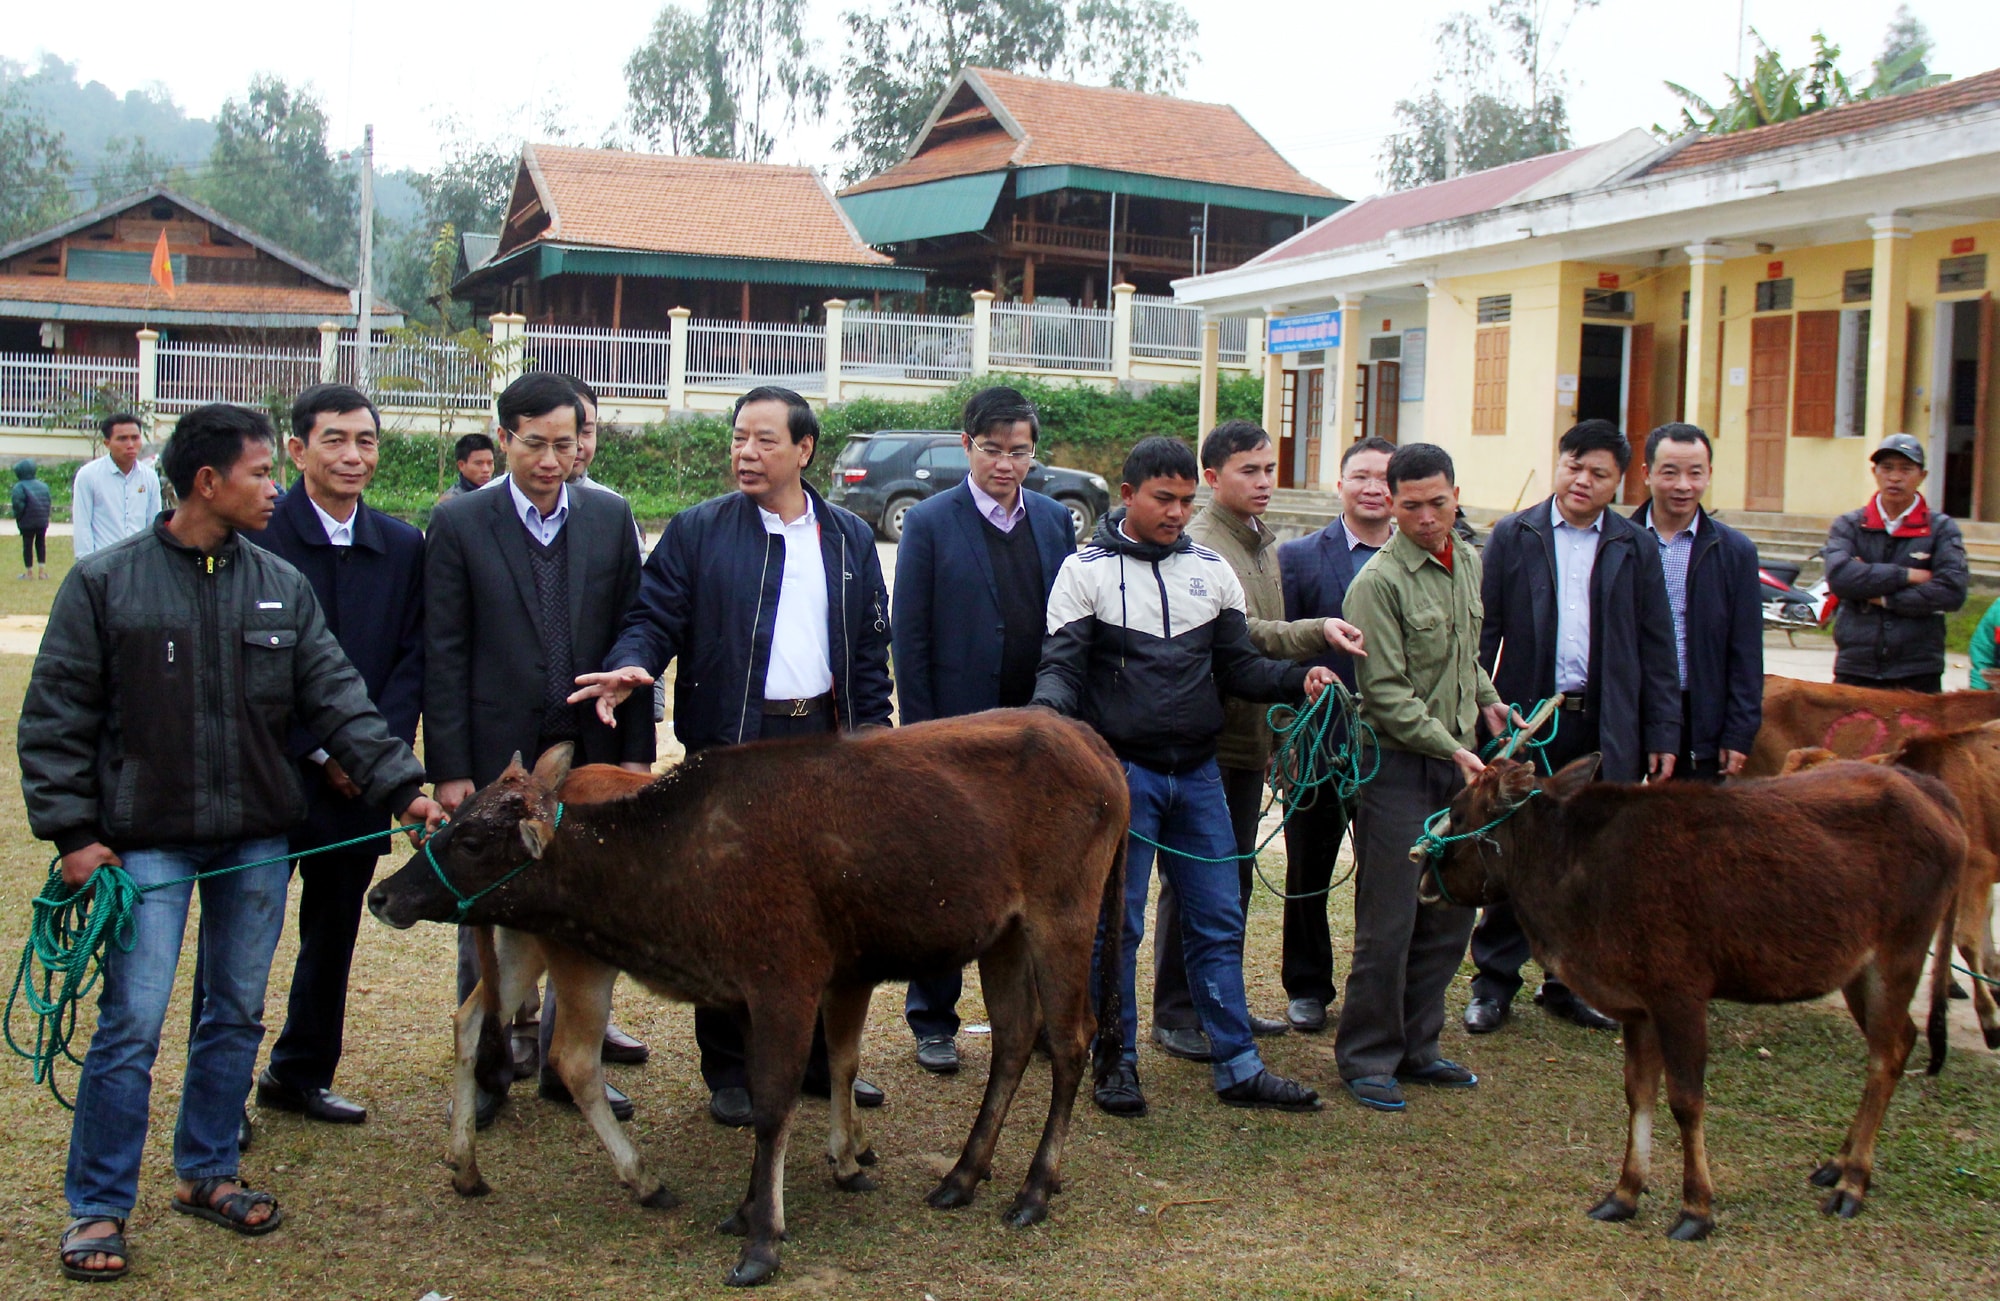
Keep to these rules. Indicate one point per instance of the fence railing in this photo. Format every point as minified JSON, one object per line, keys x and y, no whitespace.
{"x":617,"y":363}
{"x":195,"y":374}
{"x":890,"y":345}
{"x":1164,"y":328}
{"x":738,"y":355}
{"x":60,"y":388}
{"x":1050,"y":337}
{"x":427,"y":373}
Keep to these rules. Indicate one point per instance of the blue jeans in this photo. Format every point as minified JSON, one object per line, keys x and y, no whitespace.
{"x":1187,"y":810}
{"x":243,"y":915}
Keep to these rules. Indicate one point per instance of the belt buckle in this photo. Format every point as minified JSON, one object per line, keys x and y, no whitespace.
{"x":799,"y":709}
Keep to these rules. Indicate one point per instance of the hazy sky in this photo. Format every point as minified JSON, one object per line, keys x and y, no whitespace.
{"x":1317,"y":77}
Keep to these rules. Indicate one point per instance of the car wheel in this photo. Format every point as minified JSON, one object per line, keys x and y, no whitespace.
{"x":892,"y":517}
{"x":1080,"y":515}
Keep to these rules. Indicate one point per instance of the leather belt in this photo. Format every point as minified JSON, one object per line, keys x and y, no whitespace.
{"x":1576,"y":702}
{"x":798,"y":708}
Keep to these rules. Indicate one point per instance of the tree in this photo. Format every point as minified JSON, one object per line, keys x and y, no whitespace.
{"x":1904,"y":63}
{"x":901,"y":57}
{"x":435,"y":365}
{"x":272,"y":171}
{"x":34,"y":169}
{"x":128,"y":166}
{"x":1497,"y":96}
{"x":723,"y":83}
{"x":1774,"y":92}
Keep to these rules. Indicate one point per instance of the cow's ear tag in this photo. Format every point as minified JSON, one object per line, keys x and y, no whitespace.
{"x":535,"y":836}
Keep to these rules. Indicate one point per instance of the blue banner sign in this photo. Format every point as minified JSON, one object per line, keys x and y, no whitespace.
{"x":1303,"y":333}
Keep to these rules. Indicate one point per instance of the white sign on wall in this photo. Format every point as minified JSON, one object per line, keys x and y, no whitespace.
{"x":1738,"y":377}
{"x":1414,"y":350}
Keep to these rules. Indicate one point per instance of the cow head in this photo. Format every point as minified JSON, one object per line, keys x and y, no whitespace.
{"x":1486,"y":822}
{"x":498,"y":833}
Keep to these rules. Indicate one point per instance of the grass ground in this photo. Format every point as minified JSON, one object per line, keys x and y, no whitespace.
{"x":1467,"y":1194}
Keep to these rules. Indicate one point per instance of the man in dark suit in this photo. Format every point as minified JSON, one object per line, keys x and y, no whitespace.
{"x":526,"y":585}
{"x":367,"y":569}
{"x":973,"y":573}
{"x":772,"y":600}
{"x":1314,"y":572}
{"x":1576,"y":603}
{"x":1715,"y":596}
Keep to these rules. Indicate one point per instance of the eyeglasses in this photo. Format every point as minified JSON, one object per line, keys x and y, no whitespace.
{"x":1020,"y":456}
{"x":536,"y":446}
{"x":1359,"y":480}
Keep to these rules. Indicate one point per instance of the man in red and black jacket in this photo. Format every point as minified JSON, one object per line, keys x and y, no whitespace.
{"x":1898,"y":567}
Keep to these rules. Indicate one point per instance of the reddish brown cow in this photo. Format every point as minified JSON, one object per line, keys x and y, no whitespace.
{"x":1855,"y":722}
{"x":1653,"y":900}
{"x":1968,"y":763}
{"x":787,"y":878}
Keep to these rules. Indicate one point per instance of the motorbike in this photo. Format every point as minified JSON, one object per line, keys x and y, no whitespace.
{"x":1790,"y":608}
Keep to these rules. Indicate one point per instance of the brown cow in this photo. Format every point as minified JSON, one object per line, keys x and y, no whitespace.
{"x":788,"y":878}
{"x":1968,"y":763}
{"x":1653,"y":900}
{"x":1855,"y":722}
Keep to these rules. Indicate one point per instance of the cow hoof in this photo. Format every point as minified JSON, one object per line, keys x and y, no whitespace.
{"x":1843,"y":1203}
{"x":660,"y":1199}
{"x":948,"y":1196}
{"x":1691,"y":1228}
{"x":1826,"y":1176}
{"x":1611,"y":1210}
{"x":1025,"y":1213}
{"x":477,"y":1188}
{"x":750,"y":1272}
{"x":1992,"y":1034}
{"x":858,"y":1182}
{"x":736,"y":1226}
{"x":867,"y":1156}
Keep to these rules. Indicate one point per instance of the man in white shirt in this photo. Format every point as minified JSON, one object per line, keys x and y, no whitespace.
{"x":114,"y":496}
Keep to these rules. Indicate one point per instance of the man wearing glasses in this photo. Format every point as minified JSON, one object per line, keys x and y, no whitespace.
{"x":973,"y":573}
{"x":526,"y":586}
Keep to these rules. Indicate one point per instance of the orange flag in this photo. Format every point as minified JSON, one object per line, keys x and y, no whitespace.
{"x":163,"y":266}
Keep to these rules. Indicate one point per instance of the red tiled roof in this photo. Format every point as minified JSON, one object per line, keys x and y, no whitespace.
{"x":1099,"y":126}
{"x":1848,"y":120}
{"x":253,"y":299}
{"x":1462,"y":196}
{"x":716,"y":207}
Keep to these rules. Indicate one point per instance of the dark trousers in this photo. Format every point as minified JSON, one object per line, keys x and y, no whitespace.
{"x":1243,"y":791}
{"x":1928,"y":683}
{"x":1405,"y":954}
{"x":719,"y":1033}
{"x":1499,"y":949}
{"x":34,"y":547}
{"x":1687,"y":767}
{"x":331,"y":890}
{"x":1312,"y":846}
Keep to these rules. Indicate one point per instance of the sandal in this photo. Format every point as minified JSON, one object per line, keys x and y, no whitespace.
{"x":232,"y":1211}
{"x":72,"y":1248}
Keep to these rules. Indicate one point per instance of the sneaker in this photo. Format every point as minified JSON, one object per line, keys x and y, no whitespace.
{"x":1274,"y":1092}
{"x":1119,"y":1095}
{"x":938,"y":1055}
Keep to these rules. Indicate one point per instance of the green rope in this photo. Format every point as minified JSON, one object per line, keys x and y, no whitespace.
{"x":63,"y":959}
{"x":1432,"y":843}
{"x":1320,"y":750}
{"x":465,"y":901}
{"x":1984,"y":980}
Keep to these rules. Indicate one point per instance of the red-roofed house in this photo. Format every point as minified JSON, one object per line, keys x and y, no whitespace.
{"x":608,"y":238}
{"x":1034,"y":187}
{"x":1800,"y":291}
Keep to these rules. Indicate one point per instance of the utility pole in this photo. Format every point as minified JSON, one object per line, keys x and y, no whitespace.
{"x":366,"y":309}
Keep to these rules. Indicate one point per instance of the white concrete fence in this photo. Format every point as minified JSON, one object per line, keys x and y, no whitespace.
{"x":642,"y":375}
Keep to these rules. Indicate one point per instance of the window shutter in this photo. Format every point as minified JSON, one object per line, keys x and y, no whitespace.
{"x":1816,"y":374}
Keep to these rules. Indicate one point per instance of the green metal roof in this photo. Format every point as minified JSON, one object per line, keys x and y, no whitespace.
{"x":947,"y":207}
{"x":546,"y":260}
{"x":1041,"y":180}
{"x":18,"y":308}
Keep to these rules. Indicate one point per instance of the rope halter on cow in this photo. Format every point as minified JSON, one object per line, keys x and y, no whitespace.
{"x":465,"y":901}
{"x":1430,"y":846}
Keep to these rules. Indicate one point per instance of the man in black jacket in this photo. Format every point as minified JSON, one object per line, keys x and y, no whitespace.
{"x":153,"y":735}
{"x":772,"y":600}
{"x":1898,"y":568}
{"x":1711,"y":577}
{"x":525,"y":585}
{"x":1575,"y":604}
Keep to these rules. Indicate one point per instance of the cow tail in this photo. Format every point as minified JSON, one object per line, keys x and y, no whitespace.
{"x":1110,"y":1046}
{"x":1936,"y":1030}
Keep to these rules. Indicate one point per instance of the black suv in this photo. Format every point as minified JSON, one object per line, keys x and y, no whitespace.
{"x":879,"y":476}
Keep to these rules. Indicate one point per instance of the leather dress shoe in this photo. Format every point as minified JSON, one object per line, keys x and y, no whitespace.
{"x":1265,"y":1026}
{"x":1271,"y":1091}
{"x":938,"y":1055}
{"x":552,"y":1088}
{"x":1307,"y":1015}
{"x":1563,"y":1002}
{"x":1485,"y":1015}
{"x":1189,"y":1045}
{"x":730,"y":1106}
{"x":314,"y":1104}
{"x":1120,"y":1095}
{"x":622,"y":1049}
{"x":246,"y":1134}
{"x":865,"y":1094}
{"x":525,"y":1046}
{"x":485,"y":1109}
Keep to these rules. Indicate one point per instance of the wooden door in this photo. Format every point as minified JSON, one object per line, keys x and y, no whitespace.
{"x":1982,"y":384}
{"x":1816,"y":375}
{"x":1288,"y":424}
{"x":1312,"y":402}
{"x":1638,"y":407}
{"x":1770,"y":387}
{"x":1388,"y":398}
{"x":1489,"y":380}
{"x":1362,"y":406}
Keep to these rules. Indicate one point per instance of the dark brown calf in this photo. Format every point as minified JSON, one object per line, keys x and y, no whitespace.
{"x":787,"y":879}
{"x":1653,"y":900}
{"x":1855,"y":722}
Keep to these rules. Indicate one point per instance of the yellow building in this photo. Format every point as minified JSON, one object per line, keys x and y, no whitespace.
{"x":1799,"y":291}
